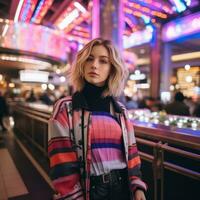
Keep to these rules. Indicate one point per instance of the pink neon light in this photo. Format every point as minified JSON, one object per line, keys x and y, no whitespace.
{"x":95,"y":19}
{"x":130,"y":23}
{"x":77,"y":19}
{"x":181,"y":27}
{"x":42,"y":11}
{"x":44,"y":41}
{"x":27,"y":10}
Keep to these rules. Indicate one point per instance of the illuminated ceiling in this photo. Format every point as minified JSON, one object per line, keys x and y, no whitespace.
{"x":74,"y":17}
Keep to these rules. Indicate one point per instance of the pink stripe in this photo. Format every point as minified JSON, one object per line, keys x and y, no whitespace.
{"x":100,"y":155}
{"x":133,"y":150}
{"x":105,"y":128}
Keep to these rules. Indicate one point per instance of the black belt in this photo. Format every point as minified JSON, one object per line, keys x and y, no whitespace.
{"x":118,"y":174}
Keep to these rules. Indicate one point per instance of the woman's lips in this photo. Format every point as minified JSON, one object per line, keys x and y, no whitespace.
{"x":93,"y":74}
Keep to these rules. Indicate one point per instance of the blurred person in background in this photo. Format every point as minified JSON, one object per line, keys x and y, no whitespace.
{"x":130,"y":103}
{"x":178,"y":107}
{"x":31,"y":98}
{"x":191,"y":104}
{"x":196,"y":112}
{"x":46,"y":98}
{"x":3,"y":110}
{"x":92,"y":146}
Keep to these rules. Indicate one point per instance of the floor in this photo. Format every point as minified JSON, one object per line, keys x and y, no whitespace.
{"x":21,"y":176}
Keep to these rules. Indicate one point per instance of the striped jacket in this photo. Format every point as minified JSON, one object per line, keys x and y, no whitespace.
{"x":70,"y":153}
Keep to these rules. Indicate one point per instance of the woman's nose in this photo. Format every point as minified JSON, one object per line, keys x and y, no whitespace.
{"x":94,"y":64}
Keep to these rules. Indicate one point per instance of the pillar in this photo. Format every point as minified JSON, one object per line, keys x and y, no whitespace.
{"x":155,"y":57}
{"x":110,"y":24}
{"x":166,"y":69}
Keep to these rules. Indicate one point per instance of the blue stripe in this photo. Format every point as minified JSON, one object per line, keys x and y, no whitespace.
{"x":106,"y":145}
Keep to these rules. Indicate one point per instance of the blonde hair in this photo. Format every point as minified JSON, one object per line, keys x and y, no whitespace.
{"x":117,"y":77}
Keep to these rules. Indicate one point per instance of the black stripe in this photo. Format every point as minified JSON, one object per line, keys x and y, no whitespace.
{"x":130,"y":156}
{"x":135,"y":171}
{"x":61,"y":150}
{"x":64,"y":169}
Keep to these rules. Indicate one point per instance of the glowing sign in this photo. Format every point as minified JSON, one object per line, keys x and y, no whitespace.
{"x":181,"y":27}
{"x":34,"y":76}
{"x":138,"y":38}
{"x":33,"y":38}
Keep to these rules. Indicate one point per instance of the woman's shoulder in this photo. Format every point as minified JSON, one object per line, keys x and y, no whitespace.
{"x":60,"y":105}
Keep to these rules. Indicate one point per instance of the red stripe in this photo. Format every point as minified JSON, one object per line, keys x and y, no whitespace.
{"x":60,"y":158}
{"x":59,"y":144}
{"x":134,"y":162}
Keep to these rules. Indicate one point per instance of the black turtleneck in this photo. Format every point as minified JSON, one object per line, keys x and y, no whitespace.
{"x":94,"y":99}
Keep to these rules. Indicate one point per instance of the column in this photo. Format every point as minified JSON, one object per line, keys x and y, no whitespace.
{"x":110,"y":24}
{"x":155,"y":57}
{"x":166,"y":69}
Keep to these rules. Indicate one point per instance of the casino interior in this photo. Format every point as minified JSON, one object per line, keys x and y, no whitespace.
{"x":160,"y":44}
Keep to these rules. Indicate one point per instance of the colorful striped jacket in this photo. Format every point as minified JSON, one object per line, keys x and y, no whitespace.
{"x":70,"y":154}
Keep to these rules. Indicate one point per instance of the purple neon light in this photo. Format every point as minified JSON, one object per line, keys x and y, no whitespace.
{"x":181,"y":27}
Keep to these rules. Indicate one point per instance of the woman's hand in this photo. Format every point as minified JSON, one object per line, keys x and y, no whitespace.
{"x":139,"y":195}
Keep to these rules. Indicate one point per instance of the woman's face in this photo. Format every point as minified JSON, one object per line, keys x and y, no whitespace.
{"x":97,"y":67}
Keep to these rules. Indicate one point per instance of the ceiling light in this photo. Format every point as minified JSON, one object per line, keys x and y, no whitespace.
{"x":80,"y":7}
{"x":187,"y":67}
{"x":68,"y":19}
{"x":18,"y":10}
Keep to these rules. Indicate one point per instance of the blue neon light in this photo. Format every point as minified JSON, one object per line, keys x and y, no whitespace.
{"x":33,"y":19}
{"x":180,"y":6}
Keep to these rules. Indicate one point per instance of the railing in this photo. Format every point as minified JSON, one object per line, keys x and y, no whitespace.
{"x":32,"y":124}
{"x":166,"y":152}
{"x":165,"y":155}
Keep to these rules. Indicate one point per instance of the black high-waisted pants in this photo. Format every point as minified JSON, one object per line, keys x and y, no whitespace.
{"x":112,"y":186}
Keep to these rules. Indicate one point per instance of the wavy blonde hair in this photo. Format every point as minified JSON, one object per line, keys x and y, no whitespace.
{"x":117,"y":77}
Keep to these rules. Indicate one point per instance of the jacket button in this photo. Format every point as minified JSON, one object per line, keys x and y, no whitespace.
{"x":80,"y":142}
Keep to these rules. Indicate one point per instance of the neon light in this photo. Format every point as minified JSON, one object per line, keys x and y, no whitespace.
{"x":18,"y":10}
{"x":5,"y":30}
{"x":154,"y":4}
{"x":188,"y":2}
{"x":27,"y":10}
{"x":44,"y":41}
{"x":182,"y":27}
{"x":41,"y":10}
{"x":146,"y":19}
{"x":138,"y":38}
{"x":80,"y":7}
{"x":180,"y":6}
{"x":38,"y":9}
{"x":68,"y":19}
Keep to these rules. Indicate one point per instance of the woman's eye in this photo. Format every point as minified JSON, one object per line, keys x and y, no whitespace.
{"x":89,"y":59}
{"x":104,"y":61}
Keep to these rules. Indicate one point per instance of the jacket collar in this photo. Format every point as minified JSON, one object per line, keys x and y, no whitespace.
{"x":79,"y":102}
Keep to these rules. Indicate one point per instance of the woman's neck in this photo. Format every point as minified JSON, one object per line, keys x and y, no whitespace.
{"x":93,"y":90}
{"x":94,"y":98}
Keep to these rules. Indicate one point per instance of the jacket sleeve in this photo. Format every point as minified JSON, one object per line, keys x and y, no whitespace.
{"x":134,"y":161}
{"x":64,"y":166}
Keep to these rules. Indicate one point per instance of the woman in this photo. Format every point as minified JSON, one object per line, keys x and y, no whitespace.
{"x":92,"y":147}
